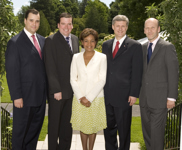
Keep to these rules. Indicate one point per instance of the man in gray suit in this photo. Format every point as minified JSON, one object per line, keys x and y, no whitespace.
{"x":59,"y":49}
{"x":159,"y":89}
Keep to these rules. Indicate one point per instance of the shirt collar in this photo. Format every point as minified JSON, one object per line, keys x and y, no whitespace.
{"x":155,"y":41}
{"x":28,"y":33}
{"x":121,"y":40}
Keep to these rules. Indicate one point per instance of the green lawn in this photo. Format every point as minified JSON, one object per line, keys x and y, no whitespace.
{"x":44,"y":129}
{"x":5,"y":94}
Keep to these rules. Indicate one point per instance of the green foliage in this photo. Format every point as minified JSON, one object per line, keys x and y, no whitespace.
{"x":99,"y":45}
{"x":78,"y":26}
{"x":44,"y":28}
{"x":171,"y":23}
{"x":21,"y":14}
{"x":96,"y":16}
{"x":49,"y":9}
{"x":134,"y":10}
{"x":8,"y":28}
{"x":82,"y":7}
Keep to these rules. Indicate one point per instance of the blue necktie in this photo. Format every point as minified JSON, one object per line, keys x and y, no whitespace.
{"x":149,"y":52}
{"x":67,"y":40}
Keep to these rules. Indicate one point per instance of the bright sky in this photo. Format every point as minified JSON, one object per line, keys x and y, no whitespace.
{"x":18,"y":3}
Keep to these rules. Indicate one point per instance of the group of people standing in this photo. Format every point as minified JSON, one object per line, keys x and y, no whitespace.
{"x":124,"y":71}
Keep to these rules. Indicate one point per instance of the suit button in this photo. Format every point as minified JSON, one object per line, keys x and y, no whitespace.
{"x":111,"y":72}
{"x":147,"y":83}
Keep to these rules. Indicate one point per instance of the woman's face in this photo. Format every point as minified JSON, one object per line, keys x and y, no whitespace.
{"x":89,"y":43}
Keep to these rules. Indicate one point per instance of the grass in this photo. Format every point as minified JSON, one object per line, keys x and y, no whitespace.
{"x":44,"y":129}
{"x":5,"y":94}
{"x":136,"y":132}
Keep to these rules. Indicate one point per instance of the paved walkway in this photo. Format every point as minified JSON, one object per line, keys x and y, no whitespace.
{"x":76,"y":142}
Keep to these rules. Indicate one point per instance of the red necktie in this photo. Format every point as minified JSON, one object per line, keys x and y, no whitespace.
{"x":37,"y":45}
{"x":116,"y":49}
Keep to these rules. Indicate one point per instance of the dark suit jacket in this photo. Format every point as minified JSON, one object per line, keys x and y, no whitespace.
{"x":25,"y":70}
{"x":58,"y":57}
{"x":124,"y":72}
{"x":160,"y":76}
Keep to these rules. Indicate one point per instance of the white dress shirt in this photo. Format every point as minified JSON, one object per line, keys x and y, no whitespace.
{"x":30,"y":36}
{"x":120,"y":42}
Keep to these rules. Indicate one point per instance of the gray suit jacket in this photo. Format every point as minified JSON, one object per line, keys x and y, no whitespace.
{"x":160,"y":76}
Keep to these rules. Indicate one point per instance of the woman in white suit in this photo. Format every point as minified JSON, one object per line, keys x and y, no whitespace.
{"x":88,"y":76}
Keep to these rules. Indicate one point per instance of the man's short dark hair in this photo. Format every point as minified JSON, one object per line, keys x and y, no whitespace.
{"x":65,"y":15}
{"x":33,"y":11}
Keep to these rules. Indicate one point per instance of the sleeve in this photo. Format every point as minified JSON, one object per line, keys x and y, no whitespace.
{"x":137,"y":69}
{"x":12,"y":65}
{"x":50,"y":65}
{"x":101,"y":82}
{"x":172,"y":70}
{"x":74,"y":79}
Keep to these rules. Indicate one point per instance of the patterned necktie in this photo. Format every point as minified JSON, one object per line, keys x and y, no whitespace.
{"x":149,"y":52}
{"x":37,"y":46}
{"x":116,"y":49}
{"x":67,"y":40}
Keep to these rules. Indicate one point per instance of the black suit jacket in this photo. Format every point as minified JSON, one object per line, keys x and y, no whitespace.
{"x":58,"y":57}
{"x":25,"y":70}
{"x":124,"y":72}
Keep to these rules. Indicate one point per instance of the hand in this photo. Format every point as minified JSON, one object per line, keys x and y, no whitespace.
{"x":132,"y":100}
{"x":18,"y":103}
{"x":58,"y":96}
{"x":85,"y":102}
{"x":170,"y":104}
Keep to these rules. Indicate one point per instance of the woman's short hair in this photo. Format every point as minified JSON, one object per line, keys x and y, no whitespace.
{"x":88,"y":31}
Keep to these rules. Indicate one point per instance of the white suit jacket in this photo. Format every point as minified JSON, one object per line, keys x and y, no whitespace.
{"x":88,"y":80}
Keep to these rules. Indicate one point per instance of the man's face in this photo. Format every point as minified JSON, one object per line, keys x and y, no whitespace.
{"x":32,"y":22}
{"x":151,"y":29}
{"x":120,"y":28}
{"x":65,"y":26}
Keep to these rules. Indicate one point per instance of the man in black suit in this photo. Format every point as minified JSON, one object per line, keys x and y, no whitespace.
{"x":124,"y":73}
{"x":59,"y":49}
{"x":27,"y":83}
{"x":159,"y":89}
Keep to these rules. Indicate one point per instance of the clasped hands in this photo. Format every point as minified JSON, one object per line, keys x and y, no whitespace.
{"x":85,"y":102}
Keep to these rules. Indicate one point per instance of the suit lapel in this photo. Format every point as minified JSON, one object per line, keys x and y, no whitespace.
{"x":156,"y":49}
{"x":145,"y":53}
{"x":110,"y":49}
{"x":64,"y":43}
{"x":29,"y":43}
{"x":74,"y":44}
{"x":122,"y":48}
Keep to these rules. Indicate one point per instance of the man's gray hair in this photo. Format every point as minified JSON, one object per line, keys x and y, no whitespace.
{"x":120,"y":18}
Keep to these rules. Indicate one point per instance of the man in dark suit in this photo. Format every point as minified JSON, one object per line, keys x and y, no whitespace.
{"x":159,"y":85}
{"x":27,"y":83}
{"x":59,"y":49}
{"x":124,"y":73}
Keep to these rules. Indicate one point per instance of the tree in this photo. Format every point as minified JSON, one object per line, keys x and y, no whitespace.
{"x":96,"y":16}
{"x":82,"y":7}
{"x":8,"y":28}
{"x":171,"y":23}
{"x":48,"y":8}
{"x":44,"y":28}
{"x":21,"y":14}
{"x":78,"y":26}
{"x":135,"y":11}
